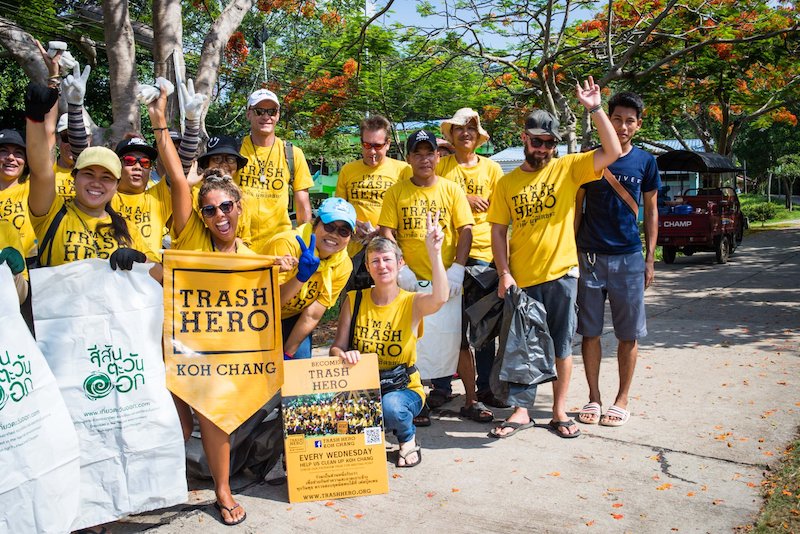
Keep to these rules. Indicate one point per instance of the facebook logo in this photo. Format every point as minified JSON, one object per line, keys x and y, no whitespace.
{"x":317,"y":443}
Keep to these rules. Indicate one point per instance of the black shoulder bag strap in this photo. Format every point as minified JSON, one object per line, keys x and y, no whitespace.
{"x":356,"y":305}
{"x":47,"y":241}
{"x":289,"y":151}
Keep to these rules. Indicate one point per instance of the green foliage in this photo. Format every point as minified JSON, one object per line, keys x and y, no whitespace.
{"x":763,"y":211}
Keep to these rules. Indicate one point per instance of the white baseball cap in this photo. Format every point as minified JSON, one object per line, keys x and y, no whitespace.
{"x":260,"y":96}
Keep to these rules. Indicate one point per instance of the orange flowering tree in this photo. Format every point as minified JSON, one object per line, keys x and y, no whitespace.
{"x":708,"y":69}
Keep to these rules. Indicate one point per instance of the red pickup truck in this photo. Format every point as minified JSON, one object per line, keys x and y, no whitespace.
{"x":706,"y":220}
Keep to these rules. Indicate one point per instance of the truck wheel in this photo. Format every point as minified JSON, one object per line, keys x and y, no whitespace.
{"x":688,"y":251}
{"x":722,"y":249}
{"x":731,"y":245}
{"x":668,"y":254}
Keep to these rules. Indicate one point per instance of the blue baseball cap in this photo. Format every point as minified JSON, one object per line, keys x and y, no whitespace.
{"x":337,"y":209}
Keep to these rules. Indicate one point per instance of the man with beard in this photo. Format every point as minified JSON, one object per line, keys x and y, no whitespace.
{"x":538,"y":200}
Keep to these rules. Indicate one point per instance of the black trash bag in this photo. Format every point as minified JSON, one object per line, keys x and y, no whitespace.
{"x":479,"y":281}
{"x":484,"y":319}
{"x":526,"y":354}
{"x":256,"y":445}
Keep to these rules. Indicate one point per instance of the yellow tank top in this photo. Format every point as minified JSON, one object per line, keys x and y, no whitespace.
{"x":386,"y":331}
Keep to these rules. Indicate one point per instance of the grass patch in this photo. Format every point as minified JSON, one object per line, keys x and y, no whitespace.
{"x":781,"y":491}
{"x":781,"y":213}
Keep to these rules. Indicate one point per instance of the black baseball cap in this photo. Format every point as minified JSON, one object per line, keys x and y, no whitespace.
{"x":11,"y":137}
{"x":136,"y":144}
{"x":541,"y":122}
{"x":222,"y":145}
{"x":421,"y":136}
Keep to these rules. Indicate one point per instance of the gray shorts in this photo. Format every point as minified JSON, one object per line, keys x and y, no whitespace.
{"x":620,"y":277}
{"x":558,"y":297}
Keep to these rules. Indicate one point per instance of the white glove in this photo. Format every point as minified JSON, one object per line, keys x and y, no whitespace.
{"x":146,"y":93}
{"x":455,"y":277}
{"x":161,"y":81}
{"x":193,"y":103}
{"x":67,"y":62}
{"x":406,"y":279}
{"x":74,"y":85}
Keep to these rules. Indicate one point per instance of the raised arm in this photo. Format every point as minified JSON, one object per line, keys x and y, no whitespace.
{"x":591,"y":98}
{"x":426,"y":304}
{"x":179,"y":186}
{"x":39,"y":102}
{"x":74,"y":88}
{"x":193,"y":106}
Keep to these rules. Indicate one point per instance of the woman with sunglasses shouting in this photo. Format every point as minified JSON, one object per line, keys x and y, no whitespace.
{"x":322,"y":271}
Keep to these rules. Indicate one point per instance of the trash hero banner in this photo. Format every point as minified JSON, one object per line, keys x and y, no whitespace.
{"x":222,"y":338}
{"x":333,"y":429}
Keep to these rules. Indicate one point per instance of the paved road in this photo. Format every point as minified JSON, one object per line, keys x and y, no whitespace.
{"x":716,"y":399}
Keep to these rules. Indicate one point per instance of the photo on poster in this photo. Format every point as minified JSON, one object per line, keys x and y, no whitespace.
{"x":345,"y":412}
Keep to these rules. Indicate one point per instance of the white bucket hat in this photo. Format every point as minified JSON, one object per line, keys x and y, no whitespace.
{"x":462,"y":118}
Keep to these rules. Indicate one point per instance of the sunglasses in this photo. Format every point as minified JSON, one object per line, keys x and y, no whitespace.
{"x":343,"y":231}
{"x":265,"y":111}
{"x":130,"y":161}
{"x":210,"y":210}
{"x":216,"y":160}
{"x":537,"y":143}
{"x":374,"y":146}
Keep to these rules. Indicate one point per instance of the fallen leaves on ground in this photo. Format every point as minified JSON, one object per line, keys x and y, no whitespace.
{"x":616,"y":505}
{"x":617,"y":516}
{"x":664,"y":486}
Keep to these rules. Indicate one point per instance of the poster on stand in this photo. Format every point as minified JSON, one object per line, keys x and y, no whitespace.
{"x":333,"y":429}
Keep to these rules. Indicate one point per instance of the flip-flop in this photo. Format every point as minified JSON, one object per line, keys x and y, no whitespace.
{"x":478,"y":412}
{"x":438,"y":398}
{"x":556,"y":425}
{"x":230,"y":510}
{"x":416,"y":449}
{"x":592,"y":412}
{"x":509,"y":424}
{"x":621,"y":416}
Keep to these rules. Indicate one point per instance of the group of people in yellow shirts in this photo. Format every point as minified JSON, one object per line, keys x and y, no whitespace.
{"x":408,"y":225}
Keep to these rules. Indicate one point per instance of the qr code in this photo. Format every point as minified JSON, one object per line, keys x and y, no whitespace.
{"x":372,"y":435}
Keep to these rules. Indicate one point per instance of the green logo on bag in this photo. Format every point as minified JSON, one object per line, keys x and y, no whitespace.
{"x":117,"y":369}
{"x":97,"y":385}
{"x":16,"y":372}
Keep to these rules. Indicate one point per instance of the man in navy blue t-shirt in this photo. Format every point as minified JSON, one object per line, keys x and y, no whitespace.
{"x":610,"y":258}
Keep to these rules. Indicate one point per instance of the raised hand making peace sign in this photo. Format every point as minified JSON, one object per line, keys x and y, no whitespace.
{"x":308,"y":263}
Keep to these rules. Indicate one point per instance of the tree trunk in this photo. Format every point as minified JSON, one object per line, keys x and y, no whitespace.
{"x":168,"y":48}
{"x":121,"y":53}
{"x":23,"y":50}
{"x":214,"y":44}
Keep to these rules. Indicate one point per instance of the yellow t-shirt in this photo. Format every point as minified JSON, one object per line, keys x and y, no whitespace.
{"x":196,"y":236}
{"x":387,"y":331}
{"x":405,"y":207}
{"x":148,"y":211}
{"x":265,"y":184}
{"x":78,"y":238}
{"x":324,"y":285}
{"x":364,"y":186}
{"x":541,"y":209}
{"x":14,"y":209}
{"x":9,"y":237}
{"x":65,"y":183}
{"x":479,"y":180}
